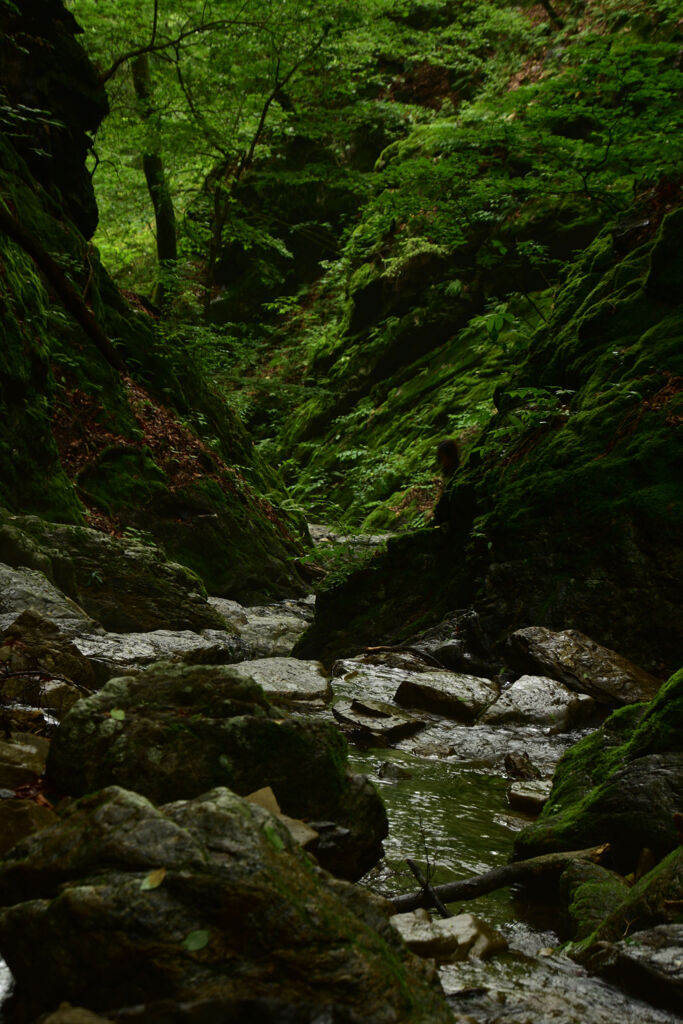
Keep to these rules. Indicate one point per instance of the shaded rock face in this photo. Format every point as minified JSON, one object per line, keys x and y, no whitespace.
{"x":22,"y":589}
{"x":96,"y":571}
{"x":622,"y":785}
{"x":174,"y":731}
{"x":239,"y":917}
{"x":581,"y":664}
{"x":649,"y":964}
{"x":53,"y":75}
{"x":656,"y":898}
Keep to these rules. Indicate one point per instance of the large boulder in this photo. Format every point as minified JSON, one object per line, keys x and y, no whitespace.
{"x":205,"y":908}
{"x":174,"y":731}
{"x":540,"y":701}
{"x":622,"y":785}
{"x":581,"y":664}
{"x":96,"y":571}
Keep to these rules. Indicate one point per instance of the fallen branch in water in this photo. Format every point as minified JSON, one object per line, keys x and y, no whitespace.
{"x":498,"y":878}
{"x":427,"y":889}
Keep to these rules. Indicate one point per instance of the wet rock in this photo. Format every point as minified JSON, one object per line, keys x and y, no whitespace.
{"x":96,"y":571}
{"x":622,"y":784}
{"x":111,"y":654}
{"x":459,"y":644}
{"x":173,"y":731}
{"x":447,"y":693}
{"x":21,"y":818}
{"x":581,"y":664}
{"x":538,"y":700}
{"x":393,"y":772}
{"x":519,"y":766}
{"x":648,"y":964}
{"x":23,"y":589}
{"x":240,"y":921}
{"x":287,"y":679}
{"x":529,"y":795}
{"x":449,"y":939}
{"x":268,"y":630}
{"x":375,"y":722}
{"x":22,"y":758}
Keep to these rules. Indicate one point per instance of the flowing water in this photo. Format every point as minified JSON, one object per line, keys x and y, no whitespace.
{"x":445,"y":794}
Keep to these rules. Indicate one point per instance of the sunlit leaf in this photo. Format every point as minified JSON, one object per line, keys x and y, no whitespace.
{"x":118,"y":714}
{"x":153,"y":880}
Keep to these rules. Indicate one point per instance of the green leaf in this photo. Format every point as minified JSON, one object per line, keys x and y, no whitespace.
{"x":196,"y":940}
{"x":118,"y":714}
{"x":153,"y":880}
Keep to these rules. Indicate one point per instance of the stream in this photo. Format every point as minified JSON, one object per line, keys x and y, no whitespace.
{"x":445,"y":790}
{"x":445,"y":793}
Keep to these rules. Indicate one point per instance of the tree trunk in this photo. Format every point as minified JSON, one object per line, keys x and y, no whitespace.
{"x":157,"y":183}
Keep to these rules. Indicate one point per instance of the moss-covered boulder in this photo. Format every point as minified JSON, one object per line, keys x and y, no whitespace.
{"x":174,"y":731}
{"x":622,"y":785}
{"x":205,"y":904}
{"x":127,"y":586}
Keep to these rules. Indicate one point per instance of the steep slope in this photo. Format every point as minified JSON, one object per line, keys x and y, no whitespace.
{"x":569,"y":513}
{"x":103,"y":423}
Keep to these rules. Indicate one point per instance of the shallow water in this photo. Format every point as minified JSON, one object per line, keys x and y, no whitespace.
{"x":451,"y":813}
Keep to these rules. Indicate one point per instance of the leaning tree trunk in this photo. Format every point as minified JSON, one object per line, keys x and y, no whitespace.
{"x":157,"y":184}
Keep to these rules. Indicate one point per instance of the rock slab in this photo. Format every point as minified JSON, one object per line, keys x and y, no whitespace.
{"x":581,"y":664}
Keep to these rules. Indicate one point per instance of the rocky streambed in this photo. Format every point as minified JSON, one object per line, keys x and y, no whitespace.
{"x":155,"y":892}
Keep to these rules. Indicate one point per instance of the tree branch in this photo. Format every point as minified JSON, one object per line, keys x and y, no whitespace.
{"x":498,"y":878}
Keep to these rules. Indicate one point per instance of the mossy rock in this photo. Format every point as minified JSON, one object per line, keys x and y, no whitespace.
{"x":592,"y":893}
{"x":621,"y":785}
{"x":205,"y":904}
{"x":175,"y":731}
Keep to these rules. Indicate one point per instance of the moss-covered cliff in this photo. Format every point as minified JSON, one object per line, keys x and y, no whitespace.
{"x":102,"y":422}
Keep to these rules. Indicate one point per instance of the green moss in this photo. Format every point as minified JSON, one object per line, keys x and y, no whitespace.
{"x":585,"y":804}
{"x":122,"y":478}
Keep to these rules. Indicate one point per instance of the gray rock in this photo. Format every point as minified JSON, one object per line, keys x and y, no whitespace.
{"x":449,"y":939}
{"x":581,"y":664}
{"x":648,"y":964}
{"x":114,"y":653}
{"x":287,"y":678}
{"x":529,"y":795}
{"x":126,"y":587}
{"x":268,"y":630}
{"x":538,"y":700}
{"x":375,"y":722}
{"x":450,"y":694}
{"x":239,"y":924}
{"x":22,"y":589}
